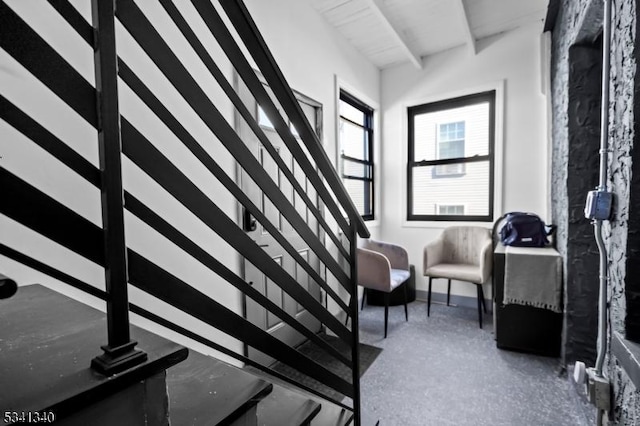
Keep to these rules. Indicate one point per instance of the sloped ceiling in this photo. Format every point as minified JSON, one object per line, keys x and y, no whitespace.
{"x":392,"y":32}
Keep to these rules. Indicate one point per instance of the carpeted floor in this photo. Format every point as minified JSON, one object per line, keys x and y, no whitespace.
{"x":368,"y":354}
{"x":443,"y":370}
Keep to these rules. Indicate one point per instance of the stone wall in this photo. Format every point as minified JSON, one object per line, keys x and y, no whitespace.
{"x":621,"y":142}
{"x":577,"y":24}
{"x":623,"y":237}
{"x":576,"y":74}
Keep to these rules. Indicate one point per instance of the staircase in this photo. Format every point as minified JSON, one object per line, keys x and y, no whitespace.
{"x":42,"y":355}
{"x":150,"y":139}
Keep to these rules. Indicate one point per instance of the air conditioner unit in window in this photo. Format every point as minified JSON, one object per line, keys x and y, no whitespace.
{"x":449,"y":169}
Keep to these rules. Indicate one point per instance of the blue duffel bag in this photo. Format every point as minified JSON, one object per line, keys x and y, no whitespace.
{"x":524,"y":230}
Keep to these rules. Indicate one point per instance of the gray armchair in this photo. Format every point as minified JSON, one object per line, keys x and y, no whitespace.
{"x":383,"y":267}
{"x":461,"y":253}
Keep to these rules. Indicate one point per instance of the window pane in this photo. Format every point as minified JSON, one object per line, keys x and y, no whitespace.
{"x":360,"y":192}
{"x":352,"y":113}
{"x":452,"y":133}
{"x":351,"y":168}
{"x":431,"y":190}
{"x":451,"y":149}
{"x":354,"y":141}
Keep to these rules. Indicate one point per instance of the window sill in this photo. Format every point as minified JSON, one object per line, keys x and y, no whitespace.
{"x":628,"y":355}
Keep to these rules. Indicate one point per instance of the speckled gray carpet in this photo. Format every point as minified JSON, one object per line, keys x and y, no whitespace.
{"x":443,"y":370}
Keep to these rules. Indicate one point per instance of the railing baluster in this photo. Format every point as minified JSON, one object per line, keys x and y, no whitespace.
{"x":355,"y":349}
{"x":119,"y":353}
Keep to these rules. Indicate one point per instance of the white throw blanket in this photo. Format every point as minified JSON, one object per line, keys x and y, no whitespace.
{"x":533,"y":276}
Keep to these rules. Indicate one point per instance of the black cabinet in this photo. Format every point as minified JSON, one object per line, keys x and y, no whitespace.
{"x":519,"y":327}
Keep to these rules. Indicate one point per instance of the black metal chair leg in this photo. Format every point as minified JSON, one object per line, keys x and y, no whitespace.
{"x":364,"y":295}
{"x":448,"y":291}
{"x":429,"y":298}
{"x":406,"y":311}
{"x":484,"y":303}
{"x":386,"y":313}
{"x":479,"y":304}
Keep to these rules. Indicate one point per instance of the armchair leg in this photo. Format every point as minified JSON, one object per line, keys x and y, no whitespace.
{"x":406,"y":311}
{"x":484,"y":303}
{"x":429,"y":298}
{"x":448,"y":291}
{"x":479,"y":286}
{"x":364,"y":295}
{"x":386,"y":313}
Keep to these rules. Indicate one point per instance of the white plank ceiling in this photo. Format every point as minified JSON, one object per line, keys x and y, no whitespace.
{"x":391,"y":32}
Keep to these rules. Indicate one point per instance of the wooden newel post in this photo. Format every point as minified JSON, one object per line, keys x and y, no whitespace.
{"x":119,"y":353}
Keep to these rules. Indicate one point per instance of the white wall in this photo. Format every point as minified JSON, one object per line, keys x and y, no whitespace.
{"x":510,"y":62}
{"x":311,"y":57}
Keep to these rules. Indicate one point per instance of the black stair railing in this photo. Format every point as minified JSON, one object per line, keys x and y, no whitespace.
{"x":120,"y":137}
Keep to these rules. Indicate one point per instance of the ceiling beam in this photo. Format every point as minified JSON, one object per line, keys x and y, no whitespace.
{"x":464,"y":18}
{"x":379,"y":10}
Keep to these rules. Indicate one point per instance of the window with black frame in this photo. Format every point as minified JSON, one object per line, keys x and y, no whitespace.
{"x":356,"y":152}
{"x":450,"y":173}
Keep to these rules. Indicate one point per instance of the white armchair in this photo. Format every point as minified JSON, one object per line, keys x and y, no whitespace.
{"x":383,"y":267}
{"x":460,"y":253}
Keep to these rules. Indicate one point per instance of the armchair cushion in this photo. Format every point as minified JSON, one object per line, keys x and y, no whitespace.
{"x":398,"y":276}
{"x":470,"y":273}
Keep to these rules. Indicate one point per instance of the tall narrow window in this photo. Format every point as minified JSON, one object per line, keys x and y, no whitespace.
{"x":356,"y":152}
{"x":450,"y":166}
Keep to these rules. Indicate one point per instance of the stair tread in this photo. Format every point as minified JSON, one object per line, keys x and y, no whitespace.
{"x":330,"y":414}
{"x":206,"y":391}
{"x":284,"y":406}
{"x":47,"y":342}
